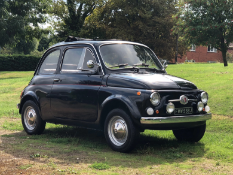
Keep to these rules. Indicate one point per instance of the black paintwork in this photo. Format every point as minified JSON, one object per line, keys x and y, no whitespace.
{"x":83,"y":98}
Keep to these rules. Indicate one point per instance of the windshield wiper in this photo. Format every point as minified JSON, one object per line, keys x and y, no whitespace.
{"x":141,"y":64}
{"x":119,"y":65}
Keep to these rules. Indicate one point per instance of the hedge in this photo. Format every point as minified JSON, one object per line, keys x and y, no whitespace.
{"x":18,"y":62}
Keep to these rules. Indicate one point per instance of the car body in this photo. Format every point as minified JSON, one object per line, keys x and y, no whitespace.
{"x":116,"y":86}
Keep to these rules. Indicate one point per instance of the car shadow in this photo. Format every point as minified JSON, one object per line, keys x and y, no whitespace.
{"x":90,"y":145}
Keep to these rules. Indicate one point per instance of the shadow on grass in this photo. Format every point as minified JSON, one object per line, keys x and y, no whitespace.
{"x":10,"y":78}
{"x":67,"y":143}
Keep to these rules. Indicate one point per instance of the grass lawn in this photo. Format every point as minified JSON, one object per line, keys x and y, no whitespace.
{"x":69,"y":150}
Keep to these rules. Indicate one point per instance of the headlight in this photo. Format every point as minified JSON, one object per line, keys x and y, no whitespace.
{"x":200,"y":106}
{"x":155,"y":98}
{"x":170,"y":107}
{"x":204,"y":97}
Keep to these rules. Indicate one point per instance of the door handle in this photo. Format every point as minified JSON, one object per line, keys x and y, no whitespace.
{"x":56,"y":80}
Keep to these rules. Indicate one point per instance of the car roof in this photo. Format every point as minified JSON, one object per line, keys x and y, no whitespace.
{"x":96,"y":43}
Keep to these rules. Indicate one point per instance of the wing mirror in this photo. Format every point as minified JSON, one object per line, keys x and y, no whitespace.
{"x":165,"y":64}
{"x":91,"y":64}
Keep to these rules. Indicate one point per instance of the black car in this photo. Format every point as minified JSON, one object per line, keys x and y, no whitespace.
{"x":119,"y":87}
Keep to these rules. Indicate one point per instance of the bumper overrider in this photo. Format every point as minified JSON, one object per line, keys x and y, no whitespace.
{"x":176,"y":119}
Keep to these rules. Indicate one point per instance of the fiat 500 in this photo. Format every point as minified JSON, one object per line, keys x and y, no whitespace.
{"x":119,"y":87}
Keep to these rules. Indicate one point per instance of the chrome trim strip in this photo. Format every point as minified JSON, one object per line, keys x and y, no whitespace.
{"x":175,"y":119}
{"x":177,"y":100}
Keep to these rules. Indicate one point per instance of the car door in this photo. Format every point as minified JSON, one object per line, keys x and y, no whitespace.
{"x":43,"y":79}
{"x":75,"y":89}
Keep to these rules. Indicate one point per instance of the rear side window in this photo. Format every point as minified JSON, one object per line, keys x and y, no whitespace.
{"x":75,"y":60}
{"x":50,"y":63}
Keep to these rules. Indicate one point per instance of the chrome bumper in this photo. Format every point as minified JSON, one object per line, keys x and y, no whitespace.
{"x":175,"y":119}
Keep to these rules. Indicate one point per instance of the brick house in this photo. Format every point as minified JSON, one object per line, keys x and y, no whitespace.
{"x":202,"y":54}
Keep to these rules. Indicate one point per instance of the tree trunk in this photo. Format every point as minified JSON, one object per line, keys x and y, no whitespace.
{"x":176,"y":48}
{"x":224,"y":51}
{"x":224,"y":56}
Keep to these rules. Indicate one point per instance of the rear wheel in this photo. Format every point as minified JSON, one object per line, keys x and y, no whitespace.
{"x":191,"y":134}
{"x":119,"y":131}
{"x":31,"y":119}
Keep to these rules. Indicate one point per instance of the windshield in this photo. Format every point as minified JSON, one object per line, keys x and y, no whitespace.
{"x":118,"y":56}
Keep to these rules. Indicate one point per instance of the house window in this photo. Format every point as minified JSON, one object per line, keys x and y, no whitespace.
{"x":211,"y":49}
{"x":193,"y":47}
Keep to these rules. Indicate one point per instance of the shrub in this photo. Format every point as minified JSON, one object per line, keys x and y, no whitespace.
{"x":229,"y":57}
{"x":18,"y":62}
{"x":100,"y":166}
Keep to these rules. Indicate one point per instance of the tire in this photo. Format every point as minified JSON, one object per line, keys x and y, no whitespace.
{"x":31,"y":119}
{"x":124,"y":140}
{"x":191,"y":134}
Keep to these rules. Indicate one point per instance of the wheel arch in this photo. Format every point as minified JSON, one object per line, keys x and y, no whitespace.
{"x":29,"y":96}
{"x":113,"y":102}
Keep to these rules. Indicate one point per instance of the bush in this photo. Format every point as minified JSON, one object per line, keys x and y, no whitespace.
{"x":100,"y":166}
{"x":18,"y":62}
{"x":229,"y":57}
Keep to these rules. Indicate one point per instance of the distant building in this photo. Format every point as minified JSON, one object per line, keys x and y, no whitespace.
{"x":202,"y":54}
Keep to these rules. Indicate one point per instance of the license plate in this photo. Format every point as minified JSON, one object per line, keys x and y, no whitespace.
{"x":188,"y":110}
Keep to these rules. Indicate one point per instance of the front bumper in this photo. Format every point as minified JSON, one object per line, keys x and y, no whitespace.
{"x":175,"y":119}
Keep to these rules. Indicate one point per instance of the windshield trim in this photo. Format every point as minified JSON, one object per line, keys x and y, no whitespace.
{"x":127,"y":68}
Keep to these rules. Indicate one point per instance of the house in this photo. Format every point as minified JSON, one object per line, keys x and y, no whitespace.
{"x":202,"y":54}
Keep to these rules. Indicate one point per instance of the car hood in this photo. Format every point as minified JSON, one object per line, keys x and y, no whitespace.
{"x":148,"y":81}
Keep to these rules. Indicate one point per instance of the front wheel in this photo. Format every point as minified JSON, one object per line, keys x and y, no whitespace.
{"x":191,"y":134}
{"x":31,"y":119}
{"x":119,"y":131}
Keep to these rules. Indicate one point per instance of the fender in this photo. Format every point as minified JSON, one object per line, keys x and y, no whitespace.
{"x":135,"y":114}
{"x":29,"y":95}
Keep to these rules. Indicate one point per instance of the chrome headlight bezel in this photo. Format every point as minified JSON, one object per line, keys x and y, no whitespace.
{"x":155,"y":98}
{"x":204,"y":97}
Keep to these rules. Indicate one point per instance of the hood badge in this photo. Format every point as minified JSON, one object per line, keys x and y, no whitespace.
{"x":184,"y":100}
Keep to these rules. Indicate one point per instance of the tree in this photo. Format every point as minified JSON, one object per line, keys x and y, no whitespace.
{"x":70,"y":15}
{"x":44,"y":43}
{"x":20,"y":19}
{"x":207,"y":22}
{"x":145,"y":21}
{"x":26,"y":45}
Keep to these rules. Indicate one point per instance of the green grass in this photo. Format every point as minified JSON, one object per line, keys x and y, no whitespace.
{"x":67,"y":149}
{"x":100,"y":166}
{"x":11,"y":85}
{"x":215,"y":79}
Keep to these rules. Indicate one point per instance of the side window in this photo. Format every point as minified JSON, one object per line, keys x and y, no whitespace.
{"x":50,"y":63}
{"x":76,"y":59}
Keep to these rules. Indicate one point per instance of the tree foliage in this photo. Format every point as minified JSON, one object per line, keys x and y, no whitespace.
{"x":44,"y":43}
{"x":26,"y":46}
{"x":70,"y":15}
{"x":20,"y":19}
{"x":207,"y":22}
{"x":144,"y":21}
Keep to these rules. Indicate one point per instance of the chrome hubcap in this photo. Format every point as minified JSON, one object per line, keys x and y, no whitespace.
{"x":117,"y":130}
{"x":30,"y":118}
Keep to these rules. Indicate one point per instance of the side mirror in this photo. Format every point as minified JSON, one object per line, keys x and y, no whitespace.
{"x":90,"y":64}
{"x":165,"y":64}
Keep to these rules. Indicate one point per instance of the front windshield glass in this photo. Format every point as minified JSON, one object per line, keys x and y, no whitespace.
{"x":118,"y":56}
